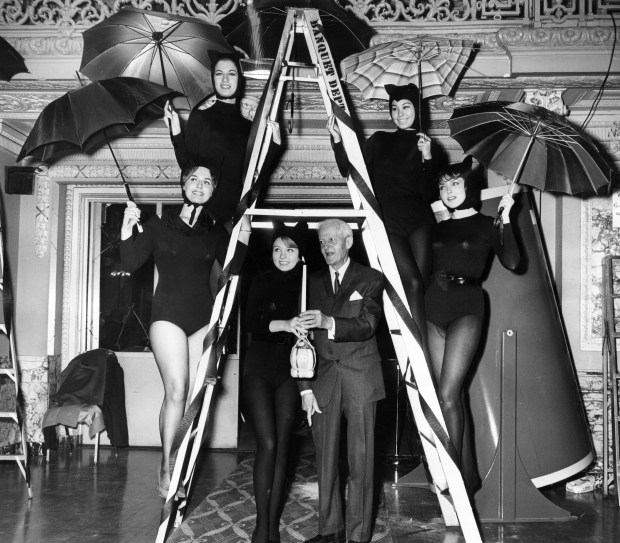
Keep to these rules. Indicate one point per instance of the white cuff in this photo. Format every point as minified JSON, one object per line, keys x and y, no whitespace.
{"x":304,"y":392}
{"x":331,"y":331}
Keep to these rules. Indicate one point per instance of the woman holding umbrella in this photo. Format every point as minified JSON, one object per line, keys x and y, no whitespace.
{"x":217,"y":131}
{"x":403,"y":172}
{"x":461,"y":247}
{"x":186,"y":245}
{"x":270,"y":394}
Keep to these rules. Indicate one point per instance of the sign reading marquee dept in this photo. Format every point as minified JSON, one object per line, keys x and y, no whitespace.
{"x":325,"y":59}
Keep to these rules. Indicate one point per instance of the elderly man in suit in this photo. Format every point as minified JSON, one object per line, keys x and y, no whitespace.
{"x":346,"y":307}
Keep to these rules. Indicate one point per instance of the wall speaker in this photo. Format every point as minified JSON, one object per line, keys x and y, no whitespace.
{"x":19,"y":180}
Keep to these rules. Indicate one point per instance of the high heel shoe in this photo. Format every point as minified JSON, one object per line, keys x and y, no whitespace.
{"x":163,"y":484}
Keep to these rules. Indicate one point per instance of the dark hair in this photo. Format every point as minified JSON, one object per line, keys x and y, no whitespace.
{"x":403,"y":92}
{"x":191,"y":168}
{"x":471,"y":180}
{"x":298,"y":234}
{"x":217,"y":56}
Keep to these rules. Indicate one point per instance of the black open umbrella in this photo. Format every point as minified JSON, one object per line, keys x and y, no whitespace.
{"x":531,"y":145}
{"x":85,"y":118}
{"x":11,"y":62}
{"x":167,"y":49}
{"x":257,"y":30}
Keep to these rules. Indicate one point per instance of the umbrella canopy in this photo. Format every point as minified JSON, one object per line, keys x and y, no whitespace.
{"x":530,"y":145}
{"x":433,"y":65}
{"x":84,"y":118}
{"x":167,"y":49}
{"x":11,"y":62}
{"x":257,"y":30}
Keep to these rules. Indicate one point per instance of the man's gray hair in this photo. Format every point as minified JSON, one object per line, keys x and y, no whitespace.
{"x":342,"y":226}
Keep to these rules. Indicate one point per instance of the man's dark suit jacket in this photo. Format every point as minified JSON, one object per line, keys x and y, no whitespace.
{"x":357,"y":310}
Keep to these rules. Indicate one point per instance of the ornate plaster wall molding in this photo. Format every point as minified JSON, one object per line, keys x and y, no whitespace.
{"x":39,"y":46}
{"x":550,"y":99}
{"x":523,"y":36}
{"x":42,"y":215}
{"x":160,"y":171}
{"x":484,"y":40}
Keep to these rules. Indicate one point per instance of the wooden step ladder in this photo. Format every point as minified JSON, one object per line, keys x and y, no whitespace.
{"x":611,"y":372}
{"x":12,"y":372}
{"x":447,"y":481}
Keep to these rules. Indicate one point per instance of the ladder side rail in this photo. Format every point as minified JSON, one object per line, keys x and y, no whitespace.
{"x":424,"y":429}
{"x":264,"y":136}
{"x":204,"y":413}
{"x":420,"y":387}
{"x":607,"y":361}
{"x":329,"y":82}
{"x":610,"y":376}
{"x":423,"y":377}
{"x":13,"y":373}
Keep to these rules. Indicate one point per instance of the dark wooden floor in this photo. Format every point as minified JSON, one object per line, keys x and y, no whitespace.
{"x":115,"y":501}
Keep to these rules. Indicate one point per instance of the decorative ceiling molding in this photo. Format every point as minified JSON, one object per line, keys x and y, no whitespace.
{"x":520,"y":36}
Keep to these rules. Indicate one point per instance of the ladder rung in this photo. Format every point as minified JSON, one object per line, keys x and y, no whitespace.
{"x":7,"y":371}
{"x":299,"y":79}
{"x":318,"y":213}
{"x":8,"y":415}
{"x":293,"y":64}
{"x":21,"y":457}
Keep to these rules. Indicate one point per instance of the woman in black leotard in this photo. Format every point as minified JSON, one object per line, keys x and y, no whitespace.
{"x":186,"y":245}
{"x":403,"y":172}
{"x":270,"y":394}
{"x":461,"y":249}
{"x":218,"y":132}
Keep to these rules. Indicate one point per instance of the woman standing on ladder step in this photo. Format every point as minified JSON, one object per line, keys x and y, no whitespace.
{"x":461,"y":249}
{"x":270,"y":394}
{"x":187,"y":247}
{"x":402,"y":172}
{"x":216,"y":132}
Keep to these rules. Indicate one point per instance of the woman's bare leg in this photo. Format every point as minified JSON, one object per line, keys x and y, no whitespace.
{"x":170,"y":347}
{"x":195,"y":342}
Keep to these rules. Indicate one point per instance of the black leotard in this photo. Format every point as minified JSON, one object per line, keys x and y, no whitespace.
{"x":272,"y":296}
{"x":184,"y":257}
{"x":404,"y":185}
{"x":461,"y":248}
{"x":217,"y":135}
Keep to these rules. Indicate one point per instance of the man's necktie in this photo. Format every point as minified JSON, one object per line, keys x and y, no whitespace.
{"x":336,"y":283}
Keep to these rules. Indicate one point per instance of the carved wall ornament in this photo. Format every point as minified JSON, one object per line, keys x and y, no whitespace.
{"x":484,"y":41}
{"x":524,"y":36}
{"x":62,"y":14}
{"x":550,"y":99}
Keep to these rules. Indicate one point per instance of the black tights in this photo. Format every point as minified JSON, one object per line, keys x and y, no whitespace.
{"x":271,"y":410}
{"x":452,"y":351}
{"x":413,"y":260}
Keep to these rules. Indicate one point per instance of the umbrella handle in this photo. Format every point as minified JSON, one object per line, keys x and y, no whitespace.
{"x":511,"y":190}
{"x":125,"y":184}
{"x":420,"y":100}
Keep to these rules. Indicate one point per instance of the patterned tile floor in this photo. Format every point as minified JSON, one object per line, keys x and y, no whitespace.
{"x":115,"y":501}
